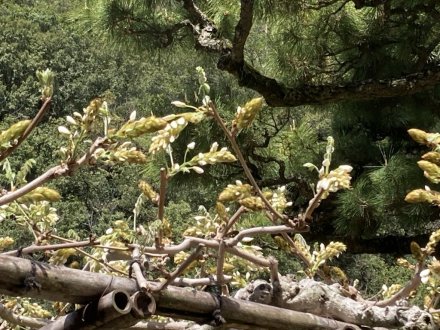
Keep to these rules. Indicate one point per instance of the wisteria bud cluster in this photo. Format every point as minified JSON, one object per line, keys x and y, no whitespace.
{"x":148,"y":191}
{"x":335,"y":180}
{"x":389,"y":291}
{"x":80,"y":126}
{"x":245,"y":115}
{"x":60,"y":257}
{"x":25,"y":307}
{"x":205,"y":225}
{"x":254,"y":203}
{"x":244,"y":195}
{"x":46,"y":79}
{"x":430,"y":170}
{"x":204,"y":87}
{"x":278,"y":199}
{"x":302,"y":248}
{"x":422,"y":137}
{"x":6,"y":242}
{"x":433,"y":241}
{"x":331,"y":181}
{"x":191,"y":117}
{"x":423,"y":196}
{"x":9,"y":136}
{"x":40,"y":194}
{"x":430,"y":164}
{"x":431,"y":274}
{"x":235,"y":192}
{"x":135,"y":128}
{"x":333,"y":249}
{"x":167,"y":135}
{"x":91,"y":113}
{"x":123,"y":153}
{"x":212,"y":157}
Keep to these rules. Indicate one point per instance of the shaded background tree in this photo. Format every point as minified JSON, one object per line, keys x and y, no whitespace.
{"x":361,"y":71}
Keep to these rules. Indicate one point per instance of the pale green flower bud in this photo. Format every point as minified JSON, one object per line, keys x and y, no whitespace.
{"x":179,"y":104}
{"x":64,"y":130}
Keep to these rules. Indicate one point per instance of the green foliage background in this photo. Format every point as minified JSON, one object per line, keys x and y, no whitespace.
{"x":136,"y":75}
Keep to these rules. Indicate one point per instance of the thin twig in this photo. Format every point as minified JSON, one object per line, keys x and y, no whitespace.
{"x":109,"y":247}
{"x":106,"y":265}
{"x":274,"y":275}
{"x":232,"y":221}
{"x":313,"y":204}
{"x":243,"y":164}
{"x":257,"y":231}
{"x":53,"y":247}
{"x":406,"y":290}
{"x":248,"y":256}
{"x":434,"y":302}
{"x":52,"y":173}
{"x":188,"y":243}
{"x":28,"y":129}
{"x":191,"y":242}
{"x":161,"y":211}
{"x":180,"y":281}
{"x":221,"y":263}
{"x":184,"y":265}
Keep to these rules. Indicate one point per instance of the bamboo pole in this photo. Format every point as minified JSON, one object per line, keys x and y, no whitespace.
{"x":94,"y":314}
{"x":143,"y":306}
{"x":27,"y":278}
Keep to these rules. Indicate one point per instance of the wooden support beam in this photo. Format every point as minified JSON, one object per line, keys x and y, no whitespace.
{"x":27,"y":278}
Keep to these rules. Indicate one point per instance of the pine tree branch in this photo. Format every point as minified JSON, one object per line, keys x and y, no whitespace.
{"x":358,"y":4}
{"x":321,"y":4}
{"x":204,"y":29}
{"x":278,"y":95}
{"x":196,"y":14}
{"x":242,"y":30}
{"x":280,"y":181}
{"x":267,"y":159}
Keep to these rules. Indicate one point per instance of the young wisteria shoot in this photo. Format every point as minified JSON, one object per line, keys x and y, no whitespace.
{"x":136,"y":275}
